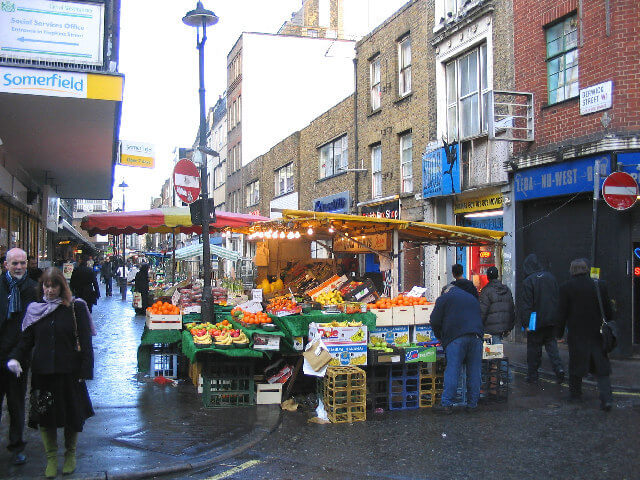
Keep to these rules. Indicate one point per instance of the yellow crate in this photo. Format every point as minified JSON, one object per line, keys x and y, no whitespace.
{"x":345,"y":394}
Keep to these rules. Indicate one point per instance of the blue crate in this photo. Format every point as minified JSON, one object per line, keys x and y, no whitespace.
{"x":404,"y":387}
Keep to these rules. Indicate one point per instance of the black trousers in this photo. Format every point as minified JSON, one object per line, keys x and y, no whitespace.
{"x":108,"y":286}
{"x":544,"y":336}
{"x":604,"y":387}
{"x":14,"y":390}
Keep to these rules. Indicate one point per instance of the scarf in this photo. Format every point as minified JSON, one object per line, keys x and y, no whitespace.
{"x":37,"y":311}
{"x":15,"y":304}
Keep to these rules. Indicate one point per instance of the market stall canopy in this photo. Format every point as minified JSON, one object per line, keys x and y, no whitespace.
{"x":160,"y":220}
{"x":196,"y":251}
{"x":420,"y":232}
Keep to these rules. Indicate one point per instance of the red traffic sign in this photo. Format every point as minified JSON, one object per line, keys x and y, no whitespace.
{"x":620,"y":190}
{"x":186,"y":180}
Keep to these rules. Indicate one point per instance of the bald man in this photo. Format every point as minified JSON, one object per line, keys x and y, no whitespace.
{"x":17,"y":291}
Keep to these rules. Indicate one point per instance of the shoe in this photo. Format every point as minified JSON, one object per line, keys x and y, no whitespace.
{"x":559,"y":378}
{"x":606,"y":406}
{"x":448,"y":410}
{"x":19,"y":458}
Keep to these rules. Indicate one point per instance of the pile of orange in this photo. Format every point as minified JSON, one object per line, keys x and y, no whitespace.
{"x":163,"y":308}
{"x":281,"y":303}
{"x":399,"y":301}
{"x":255,"y":318}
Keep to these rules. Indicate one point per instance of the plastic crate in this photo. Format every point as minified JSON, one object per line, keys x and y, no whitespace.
{"x":378,"y":387}
{"x":164,"y":365}
{"x":431,"y":383}
{"x":164,"y":348}
{"x":345,"y":394}
{"x":495,"y":380}
{"x":404,"y":386}
{"x":227,"y":384}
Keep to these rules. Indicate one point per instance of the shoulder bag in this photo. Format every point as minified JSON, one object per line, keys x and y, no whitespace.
{"x":608,"y":329}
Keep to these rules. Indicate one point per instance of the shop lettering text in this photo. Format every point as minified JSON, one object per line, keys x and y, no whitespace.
{"x":484,"y":203}
{"x":393,"y":214}
{"x":336,"y":204}
{"x":54,"y":81}
{"x":377,"y":242}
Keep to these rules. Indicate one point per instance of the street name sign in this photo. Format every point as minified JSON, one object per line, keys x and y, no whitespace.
{"x":620,"y":190}
{"x":186,"y":180}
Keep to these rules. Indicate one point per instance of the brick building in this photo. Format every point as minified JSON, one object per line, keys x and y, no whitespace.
{"x":580,"y":60}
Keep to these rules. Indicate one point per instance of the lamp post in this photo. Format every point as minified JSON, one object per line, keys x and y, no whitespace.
{"x":201,"y":19}
{"x":123,"y":281}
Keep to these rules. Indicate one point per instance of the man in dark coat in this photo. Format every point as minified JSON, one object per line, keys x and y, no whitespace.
{"x":580,"y":311}
{"x":457,"y":324}
{"x":106,"y":272}
{"x":461,"y":282}
{"x":84,"y":284}
{"x":142,"y":285}
{"x":496,"y":307}
{"x":17,"y":291}
{"x":539,"y":318}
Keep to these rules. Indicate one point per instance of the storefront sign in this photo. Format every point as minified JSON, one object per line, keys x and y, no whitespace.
{"x":439,"y":177}
{"x":136,"y":154}
{"x":560,"y":178}
{"x":630,"y":163}
{"x":596,"y":98}
{"x":337,"y":203}
{"x":67,"y":270}
{"x":382,"y":210}
{"x":490,"y":202}
{"x":379,"y":242}
{"x":44,"y":30}
{"x":50,"y":208}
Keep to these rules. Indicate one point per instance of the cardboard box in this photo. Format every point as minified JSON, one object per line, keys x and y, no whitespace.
{"x":338,"y":335}
{"x":348,"y":354}
{"x":361,"y":292}
{"x":422,"y":333}
{"x":419,"y":354}
{"x":422,"y":313}
{"x":332,"y":284}
{"x":268,"y":393}
{"x":384,"y":316}
{"x":391,"y":335}
{"x":403,"y":316}
{"x":266,"y":342}
{"x":298,"y":343}
{"x":164,"y":322}
{"x":282,"y":376}
{"x":492,"y":351}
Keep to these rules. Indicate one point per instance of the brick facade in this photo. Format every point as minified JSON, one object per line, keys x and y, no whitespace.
{"x":235,"y":184}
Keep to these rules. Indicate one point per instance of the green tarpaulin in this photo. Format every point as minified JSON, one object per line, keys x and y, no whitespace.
{"x":191,"y":351}
{"x":298,"y":325}
{"x":150,"y":338}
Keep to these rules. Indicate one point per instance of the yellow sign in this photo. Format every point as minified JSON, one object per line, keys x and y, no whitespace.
{"x":136,"y":154}
{"x":595,"y":272}
{"x":491,"y":202}
{"x":380,"y":242}
{"x":136,"y":161}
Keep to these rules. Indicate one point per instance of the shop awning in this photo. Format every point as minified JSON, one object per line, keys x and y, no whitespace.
{"x":196,"y":251}
{"x":419,"y":232}
{"x":160,"y":220}
{"x":70,"y":232}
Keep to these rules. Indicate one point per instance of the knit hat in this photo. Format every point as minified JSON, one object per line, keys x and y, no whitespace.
{"x":492,"y":273}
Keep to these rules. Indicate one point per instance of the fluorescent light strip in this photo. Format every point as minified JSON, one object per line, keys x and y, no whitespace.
{"x":493,"y":213}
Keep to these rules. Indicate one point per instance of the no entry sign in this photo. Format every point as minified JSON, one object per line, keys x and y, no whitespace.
{"x":620,"y":190}
{"x":186,"y":180}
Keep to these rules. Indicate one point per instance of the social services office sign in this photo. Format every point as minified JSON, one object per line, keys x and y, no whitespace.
{"x":46,"y":30}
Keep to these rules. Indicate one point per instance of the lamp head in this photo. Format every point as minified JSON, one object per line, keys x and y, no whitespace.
{"x":200,"y":17}
{"x":123,"y":184}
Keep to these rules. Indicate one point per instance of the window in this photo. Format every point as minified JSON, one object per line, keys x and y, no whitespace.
{"x":321,"y":250}
{"x":334,"y":157}
{"x":406,"y":162}
{"x":467,"y":95}
{"x":454,"y":7}
{"x":376,"y":171}
{"x":252,"y":193}
{"x":562,"y":60}
{"x":284,"y":180}
{"x":218,"y":175}
{"x":374,"y":80}
{"x":404,"y":66}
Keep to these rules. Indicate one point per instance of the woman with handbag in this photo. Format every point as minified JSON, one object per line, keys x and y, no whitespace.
{"x":583,"y":312}
{"x":142,"y":286}
{"x":59,"y":332}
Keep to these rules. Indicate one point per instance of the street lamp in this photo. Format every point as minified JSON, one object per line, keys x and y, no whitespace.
{"x":202,"y":18}
{"x":123,"y":282}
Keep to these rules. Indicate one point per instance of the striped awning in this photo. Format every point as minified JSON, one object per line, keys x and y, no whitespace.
{"x":196,"y":251}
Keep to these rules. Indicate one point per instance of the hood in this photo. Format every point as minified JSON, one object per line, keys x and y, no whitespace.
{"x":498,"y":286}
{"x":531,"y":265}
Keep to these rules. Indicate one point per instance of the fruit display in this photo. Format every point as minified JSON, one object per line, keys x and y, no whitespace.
{"x":283,"y":304}
{"x":349,"y":287}
{"x":231,"y":338}
{"x":340,"y":324}
{"x":330,"y":298}
{"x":163,"y":308}
{"x":352,"y":307}
{"x":250,"y":318}
{"x":399,"y":301}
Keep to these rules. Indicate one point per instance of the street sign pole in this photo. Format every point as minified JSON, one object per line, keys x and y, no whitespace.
{"x":594,"y":217}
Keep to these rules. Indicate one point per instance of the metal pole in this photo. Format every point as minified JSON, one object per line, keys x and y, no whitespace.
{"x":594,"y":217}
{"x":204,"y":195}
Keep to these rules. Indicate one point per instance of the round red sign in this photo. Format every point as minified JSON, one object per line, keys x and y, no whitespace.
{"x":186,"y":180}
{"x":620,"y":190}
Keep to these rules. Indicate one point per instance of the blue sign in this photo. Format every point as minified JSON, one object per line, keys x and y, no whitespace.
{"x":630,"y":163}
{"x":337,"y":203}
{"x":560,"y":178}
{"x":438,"y":177}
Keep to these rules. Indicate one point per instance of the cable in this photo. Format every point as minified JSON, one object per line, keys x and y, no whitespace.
{"x":550,"y":213}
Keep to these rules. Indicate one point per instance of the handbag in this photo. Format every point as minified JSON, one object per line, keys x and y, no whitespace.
{"x":40,"y":405}
{"x":137,"y":300}
{"x":608,"y":329}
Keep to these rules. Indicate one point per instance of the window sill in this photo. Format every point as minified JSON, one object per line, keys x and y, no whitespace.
{"x":284,"y":194}
{"x":331,"y":177}
{"x":374,"y":112}
{"x":403,"y":98}
{"x":546,"y":106}
{"x":407,"y":194}
{"x":253,"y":204}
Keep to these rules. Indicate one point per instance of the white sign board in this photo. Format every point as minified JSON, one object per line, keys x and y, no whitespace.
{"x":136,"y":154}
{"x":27,"y":81}
{"x":596,"y":98}
{"x":56,"y":31}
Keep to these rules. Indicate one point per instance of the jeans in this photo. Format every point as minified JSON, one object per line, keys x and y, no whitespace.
{"x":14,"y":390}
{"x":496,"y":339}
{"x":108,"y":286}
{"x":465,"y":350}
{"x":535,"y":340}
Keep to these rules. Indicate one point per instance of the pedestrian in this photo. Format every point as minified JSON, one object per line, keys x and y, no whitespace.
{"x":579,"y":310}
{"x":58,"y":331}
{"x":32,"y":269}
{"x":539,"y":318}
{"x":497,"y":309}
{"x":142,"y":286}
{"x":457,"y":324}
{"x":122,"y":273}
{"x":106,"y":272}
{"x":461,"y":282}
{"x":17,"y":291}
{"x":84,"y":283}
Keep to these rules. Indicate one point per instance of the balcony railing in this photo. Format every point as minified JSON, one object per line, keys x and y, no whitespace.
{"x":512,"y":116}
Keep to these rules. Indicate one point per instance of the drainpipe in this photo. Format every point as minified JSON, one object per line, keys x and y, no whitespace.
{"x":355,"y":133}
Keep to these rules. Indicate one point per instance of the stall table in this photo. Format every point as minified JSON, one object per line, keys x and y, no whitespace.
{"x":150,"y":338}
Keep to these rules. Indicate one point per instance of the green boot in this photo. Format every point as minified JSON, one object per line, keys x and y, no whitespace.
{"x":50,"y":441}
{"x":70,"y":442}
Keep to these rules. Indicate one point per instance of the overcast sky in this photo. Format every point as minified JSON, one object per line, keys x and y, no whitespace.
{"x":159,"y":60}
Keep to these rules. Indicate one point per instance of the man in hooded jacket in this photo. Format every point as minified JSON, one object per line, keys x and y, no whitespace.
{"x":496,"y":307}
{"x":539,"y":317}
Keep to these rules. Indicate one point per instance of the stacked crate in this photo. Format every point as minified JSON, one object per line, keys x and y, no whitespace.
{"x":495,"y":380}
{"x":404,"y":383}
{"x":345,"y":394}
{"x":431,"y":383}
{"x":164,"y":360}
{"x":228,"y":384}
{"x":378,"y":387}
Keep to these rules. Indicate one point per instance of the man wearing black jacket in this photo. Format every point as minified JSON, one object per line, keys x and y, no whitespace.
{"x":17,"y":291}
{"x":539,"y":317}
{"x":84,"y":284}
{"x":461,"y":282}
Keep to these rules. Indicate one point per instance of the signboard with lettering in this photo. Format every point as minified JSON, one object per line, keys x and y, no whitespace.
{"x":438,"y":176}
{"x":630,"y":163}
{"x":596,"y":98}
{"x":136,"y":154}
{"x":382,"y":210}
{"x":559,"y":178}
{"x":380,"y":242}
{"x":337,"y":203}
{"x":490,"y":202}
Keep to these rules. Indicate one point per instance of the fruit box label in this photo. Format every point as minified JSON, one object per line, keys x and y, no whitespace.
{"x":420,"y":354}
{"x":337,"y":335}
{"x":423,"y":333}
{"x":347,"y":354}
{"x":391,"y":335}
